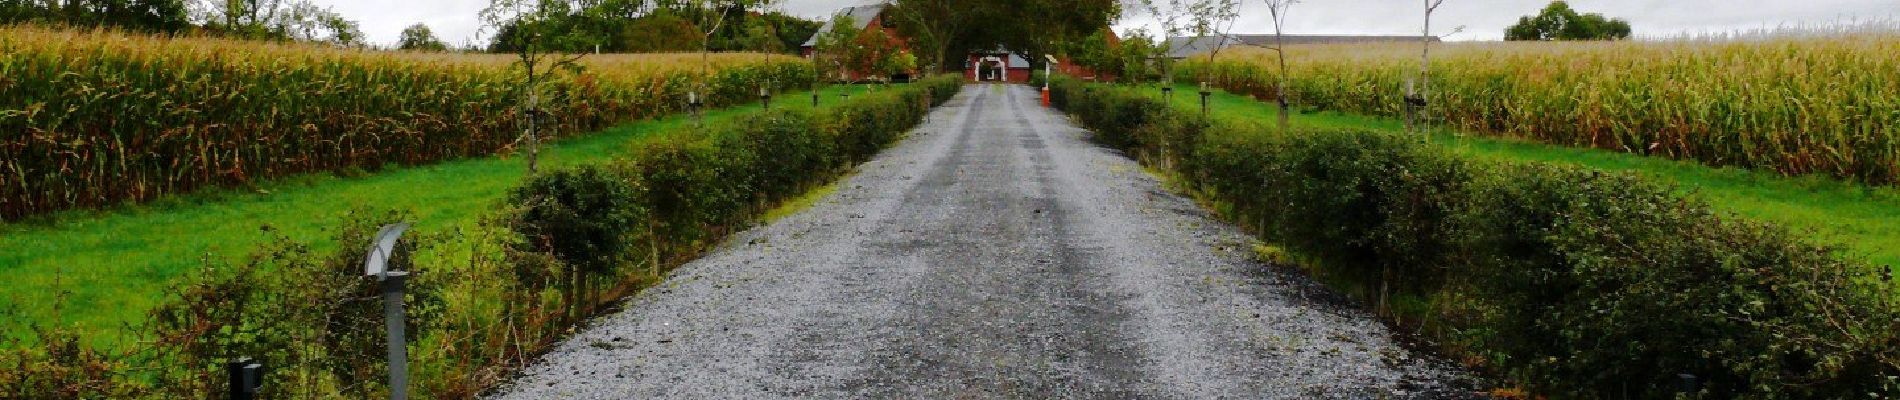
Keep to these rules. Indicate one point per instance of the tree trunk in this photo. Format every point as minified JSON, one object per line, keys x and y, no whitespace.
{"x":1425,"y":67}
{"x":534,"y":104}
{"x":1280,"y":89}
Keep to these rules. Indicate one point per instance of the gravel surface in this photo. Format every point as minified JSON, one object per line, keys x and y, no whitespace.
{"x":995,"y":253}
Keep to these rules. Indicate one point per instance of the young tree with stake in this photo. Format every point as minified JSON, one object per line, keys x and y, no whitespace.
{"x":532,"y":28}
{"x":1417,"y":97}
{"x":713,"y":16}
{"x":1201,"y":17}
{"x":1277,"y":9}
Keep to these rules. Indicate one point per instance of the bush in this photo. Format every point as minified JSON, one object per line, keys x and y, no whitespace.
{"x":583,"y":216}
{"x":1614,"y":285}
{"x":1567,"y":281}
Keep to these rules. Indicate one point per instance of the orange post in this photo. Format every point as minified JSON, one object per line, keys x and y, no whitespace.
{"x":1045,"y":96}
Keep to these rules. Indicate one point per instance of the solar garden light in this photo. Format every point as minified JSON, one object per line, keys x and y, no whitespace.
{"x":247,"y":377}
{"x":1204,"y":93}
{"x":376,"y":265}
{"x":765,"y":96}
{"x":693,"y":103}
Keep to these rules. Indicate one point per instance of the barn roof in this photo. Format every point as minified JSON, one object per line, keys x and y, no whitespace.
{"x":1186,"y":46}
{"x":860,"y":16}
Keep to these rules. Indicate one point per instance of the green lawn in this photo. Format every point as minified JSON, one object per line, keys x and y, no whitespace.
{"x":116,"y":264}
{"x":1865,"y":218}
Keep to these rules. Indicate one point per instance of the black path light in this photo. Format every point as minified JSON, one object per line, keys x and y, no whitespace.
{"x":1205,"y":92}
{"x":376,"y":265}
{"x":765,"y":95}
{"x":247,"y":378}
{"x":693,"y":104}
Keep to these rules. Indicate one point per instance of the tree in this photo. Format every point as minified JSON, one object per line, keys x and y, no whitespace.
{"x":1277,"y":10}
{"x":534,"y":30}
{"x":419,"y":37}
{"x":660,"y":31}
{"x":897,"y":62}
{"x":932,"y":25}
{"x":1202,"y":18}
{"x":869,"y":51}
{"x":1135,"y":57}
{"x":1214,"y":18}
{"x":836,"y":48}
{"x":1559,"y":22}
{"x":791,"y":30}
{"x":1095,"y":52}
{"x":714,"y":14}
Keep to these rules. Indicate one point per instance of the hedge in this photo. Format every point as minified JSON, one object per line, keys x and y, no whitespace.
{"x":1571,"y":282}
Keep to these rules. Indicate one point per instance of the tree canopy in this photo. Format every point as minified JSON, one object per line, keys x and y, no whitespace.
{"x":167,"y":16}
{"x":1559,"y":22}
{"x":419,"y":37}
{"x":940,"y":28}
{"x":665,"y":25}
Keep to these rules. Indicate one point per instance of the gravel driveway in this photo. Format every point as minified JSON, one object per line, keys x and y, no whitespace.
{"x":995,"y":253}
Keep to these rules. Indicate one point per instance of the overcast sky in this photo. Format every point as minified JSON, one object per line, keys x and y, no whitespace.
{"x":455,"y":20}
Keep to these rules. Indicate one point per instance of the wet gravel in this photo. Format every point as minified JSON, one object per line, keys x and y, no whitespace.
{"x":995,"y":253}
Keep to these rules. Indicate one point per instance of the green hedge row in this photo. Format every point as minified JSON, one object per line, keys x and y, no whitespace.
{"x":1571,"y":282}
{"x":485,"y":298}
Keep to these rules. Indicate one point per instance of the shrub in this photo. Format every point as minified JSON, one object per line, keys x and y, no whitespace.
{"x":1614,"y":285}
{"x":583,"y":216}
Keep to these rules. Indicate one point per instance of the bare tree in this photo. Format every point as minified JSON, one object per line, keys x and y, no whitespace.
{"x":1416,"y":97}
{"x":1213,"y":18}
{"x":713,"y":16}
{"x":1278,"y":10}
{"x":1200,"y":17}
{"x":1168,"y":16}
{"x":531,"y":27}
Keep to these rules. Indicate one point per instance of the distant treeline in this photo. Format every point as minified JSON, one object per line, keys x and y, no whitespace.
{"x":298,"y":20}
{"x":636,"y":26}
{"x":628,"y":26}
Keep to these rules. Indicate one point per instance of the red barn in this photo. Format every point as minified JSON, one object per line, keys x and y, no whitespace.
{"x":996,"y":66}
{"x":979,"y":66}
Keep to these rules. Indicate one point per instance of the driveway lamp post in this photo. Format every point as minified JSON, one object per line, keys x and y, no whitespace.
{"x":1048,"y":74}
{"x":376,"y":265}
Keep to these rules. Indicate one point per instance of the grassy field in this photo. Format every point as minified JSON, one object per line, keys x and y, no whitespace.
{"x":1860,"y":216}
{"x":1818,"y":104}
{"x":115,"y":264}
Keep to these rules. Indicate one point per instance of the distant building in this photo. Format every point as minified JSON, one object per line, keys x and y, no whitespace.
{"x":865,"y":17}
{"x":1188,"y":46}
{"x":996,"y":66}
{"x":979,"y":66}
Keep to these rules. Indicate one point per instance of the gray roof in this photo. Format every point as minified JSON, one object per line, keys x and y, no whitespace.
{"x":1014,"y":60}
{"x":860,"y":16}
{"x":1186,"y":46}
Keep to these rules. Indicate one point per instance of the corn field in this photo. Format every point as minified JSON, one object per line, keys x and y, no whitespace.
{"x":1803,"y":105}
{"x":92,"y":119}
